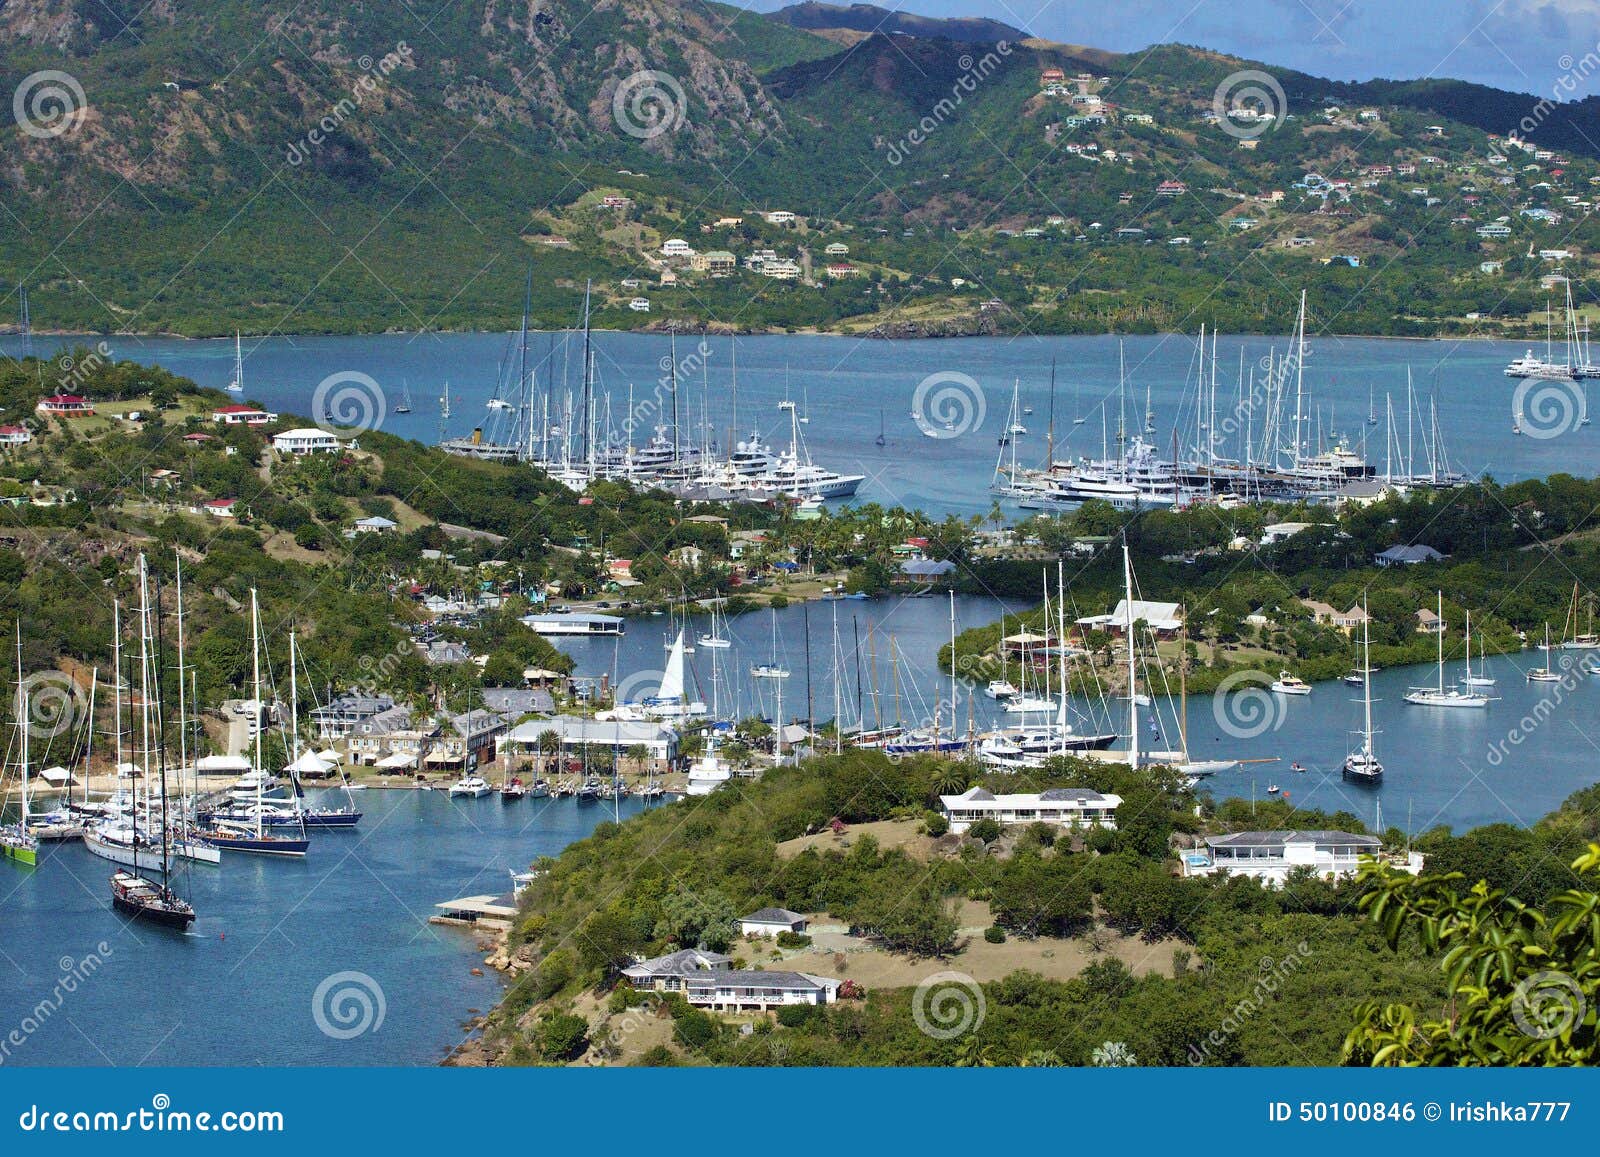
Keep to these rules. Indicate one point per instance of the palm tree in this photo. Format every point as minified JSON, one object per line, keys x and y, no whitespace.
{"x":975,"y":1054}
{"x":549,"y":742}
{"x":950,"y":779}
{"x":638,"y":755}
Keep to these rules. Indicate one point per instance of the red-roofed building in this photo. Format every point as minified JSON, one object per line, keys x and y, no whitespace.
{"x":65,"y":406}
{"x":221,"y":507}
{"x":199,"y":439}
{"x":15,"y":436}
{"x":242,"y":416}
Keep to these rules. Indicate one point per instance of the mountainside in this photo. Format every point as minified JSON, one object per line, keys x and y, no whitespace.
{"x":320,"y":167}
{"x":870,"y":18}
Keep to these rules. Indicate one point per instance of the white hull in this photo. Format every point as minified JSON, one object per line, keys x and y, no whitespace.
{"x":120,"y":853}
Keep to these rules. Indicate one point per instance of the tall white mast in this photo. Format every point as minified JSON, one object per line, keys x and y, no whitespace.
{"x":1133,"y":676}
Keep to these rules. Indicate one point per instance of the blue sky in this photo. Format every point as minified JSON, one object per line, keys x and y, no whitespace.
{"x":1522,"y":45}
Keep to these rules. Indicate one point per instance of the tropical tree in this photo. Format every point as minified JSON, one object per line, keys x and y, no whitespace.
{"x":1522,"y":982}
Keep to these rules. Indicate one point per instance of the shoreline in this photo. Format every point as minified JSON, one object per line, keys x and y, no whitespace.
{"x":715,"y":330}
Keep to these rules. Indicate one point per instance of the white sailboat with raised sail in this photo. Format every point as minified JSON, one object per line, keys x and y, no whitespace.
{"x":1362,"y":765}
{"x":671,"y":701}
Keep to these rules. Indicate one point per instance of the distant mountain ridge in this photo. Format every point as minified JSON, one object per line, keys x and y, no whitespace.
{"x":227,"y":148}
{"x":814,"y":16}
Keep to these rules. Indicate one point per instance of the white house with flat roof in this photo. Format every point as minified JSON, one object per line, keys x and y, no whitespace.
{"x":1271,"y":855}
{"x":305,"y":440}
{"x":1067,"y":806}
{"x":739,"y":990}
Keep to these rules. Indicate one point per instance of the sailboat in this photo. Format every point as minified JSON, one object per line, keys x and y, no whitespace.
{"x":670,"y":700}
{"x":1571,"y":639}
{"x":138,"y":896}
{"x":16,"y":843}
{"x":717,"y":640}
{"x":881,"y":439}
{"x":1362,"y":765}
{"x":773,"y":669}
{"x":1441,"y":696}
{"x":1478,"y":679}
{"x":236,"y":386}
{"x":403,"y":406}
{"x":255,"y":836}
{"x":1544,"y":674}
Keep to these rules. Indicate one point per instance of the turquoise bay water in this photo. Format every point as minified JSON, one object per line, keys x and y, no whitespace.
{"x":240,"y":988}
{"x":848,"y":386}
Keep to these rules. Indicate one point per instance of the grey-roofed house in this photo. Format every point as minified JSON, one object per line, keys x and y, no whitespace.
{"x":1413,"y":555}
{"x":1270,"y":856}
{"x":670,"y":973}
{"x":771,"y":921}
{"x":368,"y":740}
{"x":737,"y":990}
{"x":344,"y":713}
{"x":515,"y":702}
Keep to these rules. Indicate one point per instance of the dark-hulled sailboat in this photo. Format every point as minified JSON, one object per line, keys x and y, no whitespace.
{"x":133,"y":894}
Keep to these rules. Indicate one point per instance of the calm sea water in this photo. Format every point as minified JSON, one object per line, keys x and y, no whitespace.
{"x":241,"y":987}
{"x":850,"y":388}
{"x":1464,"y":768}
